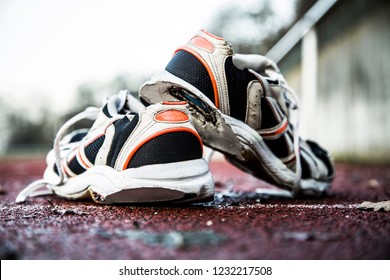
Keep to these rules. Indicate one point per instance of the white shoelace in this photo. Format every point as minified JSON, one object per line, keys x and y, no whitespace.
{"x":34,"y":189}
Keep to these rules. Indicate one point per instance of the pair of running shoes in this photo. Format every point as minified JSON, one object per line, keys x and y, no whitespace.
{"x":150,"y":150}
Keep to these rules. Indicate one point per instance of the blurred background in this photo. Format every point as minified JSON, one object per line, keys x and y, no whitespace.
{"x":57,"y":57}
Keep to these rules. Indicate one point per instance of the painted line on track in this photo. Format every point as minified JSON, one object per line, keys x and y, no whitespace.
{"x":305,"y":206}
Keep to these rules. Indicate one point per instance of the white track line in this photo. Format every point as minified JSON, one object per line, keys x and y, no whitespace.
{"x":307,"y":206}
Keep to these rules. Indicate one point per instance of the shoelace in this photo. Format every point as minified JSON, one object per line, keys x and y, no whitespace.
{"x":34,"y":189}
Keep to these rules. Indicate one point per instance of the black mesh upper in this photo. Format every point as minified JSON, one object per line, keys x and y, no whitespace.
{"x":105,"y":111}
{"x":123,"y":129}
{"x":187,"y":67}
{"x":279,"y":146}
{"x":75,"y":166}
{"x":268,"y":118}
{"x":166,"y":148}
{"x":92,"y":149}
{"x":237,"y":81}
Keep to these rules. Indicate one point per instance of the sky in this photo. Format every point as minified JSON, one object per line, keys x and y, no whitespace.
{"x":49,"y":47}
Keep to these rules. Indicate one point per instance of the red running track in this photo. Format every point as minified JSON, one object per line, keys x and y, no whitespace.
{"x":239,"y":224}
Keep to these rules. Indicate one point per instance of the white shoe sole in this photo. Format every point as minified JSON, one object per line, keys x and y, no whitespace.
{"x":187,"y":181}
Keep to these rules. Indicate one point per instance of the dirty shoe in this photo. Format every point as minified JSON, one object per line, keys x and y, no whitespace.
{"x":131,"y":154}
{"x":242,"y":106}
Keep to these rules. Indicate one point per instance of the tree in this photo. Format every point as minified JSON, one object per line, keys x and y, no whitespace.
{"x":257,"y":27}
{"x":249,"y":28}
{"x":29,"y":135}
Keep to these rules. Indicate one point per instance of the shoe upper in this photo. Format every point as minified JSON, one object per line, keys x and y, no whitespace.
{"x":251,"y":89}
{"x":253,"y":95}
{"x":122,"y":139}
{"x":124,"y":135}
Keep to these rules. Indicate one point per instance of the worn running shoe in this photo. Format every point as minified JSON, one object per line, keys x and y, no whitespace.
{"x":242,"y":106}
{"x":131,"y":154}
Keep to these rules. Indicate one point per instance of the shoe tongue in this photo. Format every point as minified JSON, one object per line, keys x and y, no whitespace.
{"x":116,"y":103}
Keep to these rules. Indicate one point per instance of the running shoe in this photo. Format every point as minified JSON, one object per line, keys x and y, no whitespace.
{"x":131,"y":154}
{"x":242,"y":106}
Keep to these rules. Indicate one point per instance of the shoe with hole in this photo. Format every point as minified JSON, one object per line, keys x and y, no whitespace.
{"x":242,"y":106}
{"x":131,"y":154}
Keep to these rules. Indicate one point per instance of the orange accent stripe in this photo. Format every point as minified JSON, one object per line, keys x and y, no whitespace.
{"x":87,"y":165}
{"x":66,"y":169}
{"x":172,"y":116}
{"x":174,"y":103}
{"x":79,"y":153}
{"x":276,"y":132}
{"x":159,"y":133}
{"x":209,"y":71}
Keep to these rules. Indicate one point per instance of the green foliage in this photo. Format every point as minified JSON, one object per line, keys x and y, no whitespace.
{"x":255,"y":27}
{"x":250,"y":28}
{"x":25,"y":135}
{"x":28,"y":136}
